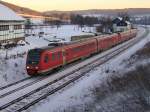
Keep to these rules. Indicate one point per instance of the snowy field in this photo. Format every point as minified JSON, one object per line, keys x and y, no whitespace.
{"x":13,"y":68}
{"x":80,"y":94}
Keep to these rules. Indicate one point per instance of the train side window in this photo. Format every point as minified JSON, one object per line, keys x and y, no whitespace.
{"x":53,"y":56}
{"x":73,"y":50}
{"x":46,"y":59}
{"x":79,"y":48}
{"x":59,"y":55}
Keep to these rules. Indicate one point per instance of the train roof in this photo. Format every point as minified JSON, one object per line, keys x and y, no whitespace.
{"x":59,"y":45}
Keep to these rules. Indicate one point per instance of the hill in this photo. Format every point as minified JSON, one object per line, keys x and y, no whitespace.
{"x":111,"y":12}
{"x":21,"y":10}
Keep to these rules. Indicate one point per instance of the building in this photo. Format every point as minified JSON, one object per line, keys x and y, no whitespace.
{"x":11,"y":26}
{"x":34,"y":19}
{"x":120,"y":25}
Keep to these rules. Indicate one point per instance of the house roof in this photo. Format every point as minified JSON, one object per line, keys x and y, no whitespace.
{"x":120,"y":22}
{"x":117,"y":20}
{"x":7,"y":14}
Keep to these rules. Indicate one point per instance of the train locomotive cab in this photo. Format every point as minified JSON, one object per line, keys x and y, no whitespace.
{"x":33,"y":61}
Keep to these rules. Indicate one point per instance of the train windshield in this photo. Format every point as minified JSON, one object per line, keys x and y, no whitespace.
{"x":33,"y":57}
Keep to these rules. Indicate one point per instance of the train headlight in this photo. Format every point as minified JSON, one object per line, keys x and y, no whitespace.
{"x":36,"y":67}
{"x":28,"y":67}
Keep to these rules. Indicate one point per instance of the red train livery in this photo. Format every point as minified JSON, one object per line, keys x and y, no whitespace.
{"x":43,"y":60}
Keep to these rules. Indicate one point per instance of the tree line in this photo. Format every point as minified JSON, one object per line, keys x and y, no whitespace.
{"x":83,"y":20}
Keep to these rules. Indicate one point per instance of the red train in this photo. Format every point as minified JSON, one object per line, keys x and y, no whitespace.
{"x":43,"y":60}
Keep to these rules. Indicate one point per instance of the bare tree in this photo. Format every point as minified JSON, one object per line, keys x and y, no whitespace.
{"x":124,"y":15}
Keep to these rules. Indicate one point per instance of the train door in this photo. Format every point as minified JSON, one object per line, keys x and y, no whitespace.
{"x":119,"y":38}
{"x":64,"y":56}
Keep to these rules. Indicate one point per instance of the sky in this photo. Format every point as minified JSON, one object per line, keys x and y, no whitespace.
{"x":68,"y":5}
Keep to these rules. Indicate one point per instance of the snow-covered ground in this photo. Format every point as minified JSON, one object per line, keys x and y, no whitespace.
{"x":80,"y":93}
{"x":13,"y":68}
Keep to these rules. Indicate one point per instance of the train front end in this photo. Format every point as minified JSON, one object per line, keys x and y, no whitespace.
{"x":33,"y":62}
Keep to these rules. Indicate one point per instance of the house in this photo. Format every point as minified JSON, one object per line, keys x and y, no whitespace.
{"x":120,"y":25}
{"x":115,"y":22}
{"x":11,"y":26}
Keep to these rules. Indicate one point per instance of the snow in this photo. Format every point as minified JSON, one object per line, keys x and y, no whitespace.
{"x":97,"y":15}
{"x":13,"y":69}
{"x":64,"y":32}
{"x":79,"y":93}
{"x":9,"y":15}
{"x":37,"y":21}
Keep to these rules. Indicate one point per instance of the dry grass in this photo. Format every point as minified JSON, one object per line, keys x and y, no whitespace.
{"x":145,"y":51}
{"x":129,"y":93}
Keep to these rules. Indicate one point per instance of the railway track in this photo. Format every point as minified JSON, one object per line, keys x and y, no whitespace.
{"x":15,"y":83}
{"x":16,"y":86}
{"x":51,"y":86}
